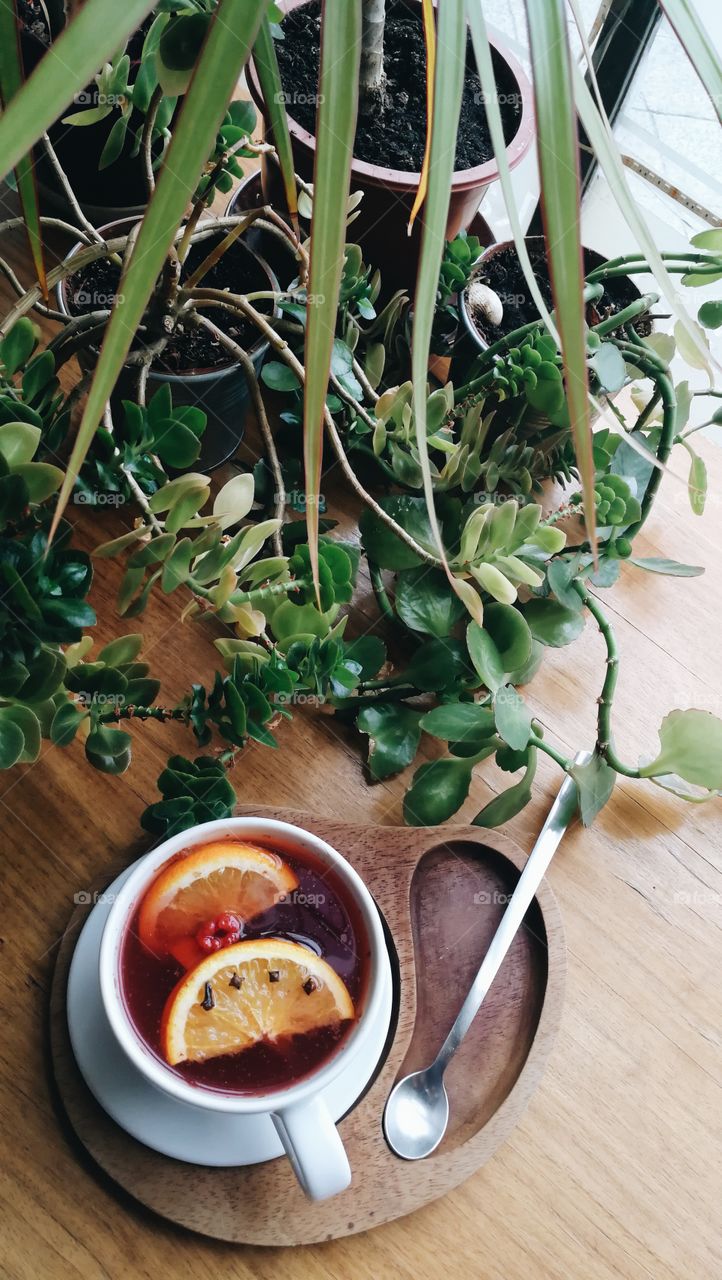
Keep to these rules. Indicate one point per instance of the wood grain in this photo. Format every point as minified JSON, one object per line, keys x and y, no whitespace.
{"x":442,"y":893}
{"x":613,"y":1172}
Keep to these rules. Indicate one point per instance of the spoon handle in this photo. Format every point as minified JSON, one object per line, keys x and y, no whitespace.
{"x":556,"y":823}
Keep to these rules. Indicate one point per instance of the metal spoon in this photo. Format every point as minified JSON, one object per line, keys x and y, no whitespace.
{"x":417,"y":1109}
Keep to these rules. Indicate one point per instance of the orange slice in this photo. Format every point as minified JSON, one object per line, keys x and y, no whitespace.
{"x":224,"y":876}
{"x":255,"y":990}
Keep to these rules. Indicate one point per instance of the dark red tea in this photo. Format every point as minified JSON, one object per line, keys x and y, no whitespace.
{"x":320,"y":915}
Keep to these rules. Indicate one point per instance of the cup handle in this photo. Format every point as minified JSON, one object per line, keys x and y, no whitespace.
{"x":313,"y":1145}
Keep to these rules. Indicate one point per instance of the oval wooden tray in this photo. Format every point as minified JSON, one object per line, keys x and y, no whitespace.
{"x":442,"y":891}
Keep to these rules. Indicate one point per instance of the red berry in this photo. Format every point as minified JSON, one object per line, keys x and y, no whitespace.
{"x":221,"y":932}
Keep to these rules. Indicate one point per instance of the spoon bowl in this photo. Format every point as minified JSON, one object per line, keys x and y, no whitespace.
{"x":417,"y":1113}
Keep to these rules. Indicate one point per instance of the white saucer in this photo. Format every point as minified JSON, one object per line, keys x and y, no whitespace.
{"x":152,"y":1117}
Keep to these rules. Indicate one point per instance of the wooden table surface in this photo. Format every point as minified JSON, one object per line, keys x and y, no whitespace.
{"x":615,"y":1169}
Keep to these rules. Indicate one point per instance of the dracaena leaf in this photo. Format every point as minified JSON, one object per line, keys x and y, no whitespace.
{"x":335,"y":129}
{"x":219,"y":65}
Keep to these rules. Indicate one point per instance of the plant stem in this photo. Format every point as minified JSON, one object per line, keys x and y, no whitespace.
{"x":380,"y":592}
{"x":68,"y":191}
{"x":248,"y":368}
{"x":236,"y":302}
{"x":147,"y":142}
{"x":144,"y":713}
{"x":371,"y":74}
{"x":605,"y":742}
{"x":556,"y":756}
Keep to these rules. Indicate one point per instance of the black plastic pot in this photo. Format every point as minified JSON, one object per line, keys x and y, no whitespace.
{"x":470,"y":342}
{"x":222,"y":392}
{"x":104,"y":195}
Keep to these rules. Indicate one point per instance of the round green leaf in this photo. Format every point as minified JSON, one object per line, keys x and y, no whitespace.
{"x":551,"y":623}
{"x":437,"y":791}
{"x":12,"y":743}
{"x":454,"y":721}
{"x":690,"y":746}
{"x":510,"y":632}
{"x":426,"y":602}
{"x":394,"y":732}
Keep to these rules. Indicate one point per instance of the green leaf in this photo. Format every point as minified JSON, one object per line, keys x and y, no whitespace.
{"x":509,"y":803}
{"x":381,"y":544}
{"x":266,"y":64}
{"x":447,"y":93}
{"x":108,"y":750}
{"x":455,"y":721}
{"x":560,"y":575}
{"x":510,"y":632}
{"x":437,"y":791}
{"x":691,"y":746}
{"x":674,"y":568}
{"x":18,"y":442}
{"x":513,"y":717}
{"x":65,"y":723}
{"x":710,"y":315}
{"x":42,"y":479}
{"x":595,"y":782}
{"x":234,"y":500}
{"x":27,"y":722}
{"x":557,"y":152}
{"x":439,"y":664}
{"x":605,"y":147}
{"x":335,"y":130}
{"x":485,"y":657}
{"x":178,"y":49}
{"x":18,"y":345}
{"x":12,"y":76}
{"x":609,"y":367}
{"x":124,"y":649}
{"x":425,"y":601}
{"x":551,"y":623}
{"x":96,"y":31}
{"x":394,"y":732}
{"x":700,"y":49}
{"x":697,"y":483}
{"x":12,"y":743}
{"x":369,"y":652}
{"x":219,"y":65}
{"x":278,"y":377}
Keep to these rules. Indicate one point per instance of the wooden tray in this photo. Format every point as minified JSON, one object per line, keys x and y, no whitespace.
{"x":442,"y":891}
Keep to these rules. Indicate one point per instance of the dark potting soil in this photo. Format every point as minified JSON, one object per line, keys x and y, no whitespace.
{"x":34,"y":20}
{"x":393,"y":133}
{"x":503,"y":273}
{"x":94,"y":288}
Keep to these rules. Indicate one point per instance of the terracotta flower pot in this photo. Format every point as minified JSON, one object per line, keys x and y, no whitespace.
{"x":222,"y":391}
{"x":389,"y":194}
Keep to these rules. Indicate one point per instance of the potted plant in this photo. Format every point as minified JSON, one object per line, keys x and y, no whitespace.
{"x":463,"y":561}
{"x":391,"y":130}
{"x":189,"y":360}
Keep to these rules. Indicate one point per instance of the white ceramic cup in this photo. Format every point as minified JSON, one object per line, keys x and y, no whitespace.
{"x":299,"y":1113}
